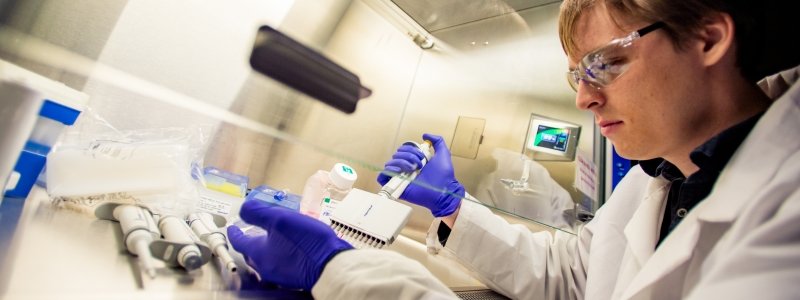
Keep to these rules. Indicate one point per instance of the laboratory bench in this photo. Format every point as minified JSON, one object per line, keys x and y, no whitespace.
{"x":52,"y":252}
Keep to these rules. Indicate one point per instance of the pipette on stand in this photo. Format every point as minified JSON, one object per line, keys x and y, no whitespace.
{"x":180,"y":247}
{"x":206,"y":226}
{"x":138,"y":228}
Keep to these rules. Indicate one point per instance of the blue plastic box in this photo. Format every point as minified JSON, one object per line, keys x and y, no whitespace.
{"x":275,"y":197}
{"x":53,"y":117}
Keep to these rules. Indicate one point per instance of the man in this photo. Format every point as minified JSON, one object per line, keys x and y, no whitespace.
{"x":712,"y":212}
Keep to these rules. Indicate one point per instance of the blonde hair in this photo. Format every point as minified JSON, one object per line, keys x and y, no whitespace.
{"x":570,"y":12}
{"x":761,"y":26}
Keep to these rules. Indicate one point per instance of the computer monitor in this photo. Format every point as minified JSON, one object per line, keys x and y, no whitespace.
{"x":554,"y":137}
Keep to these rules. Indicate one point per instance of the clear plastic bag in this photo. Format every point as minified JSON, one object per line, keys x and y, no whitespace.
{"x":151,"y":166}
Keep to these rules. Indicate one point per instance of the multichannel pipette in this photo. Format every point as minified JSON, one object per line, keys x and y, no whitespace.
{"x":368,"y":220}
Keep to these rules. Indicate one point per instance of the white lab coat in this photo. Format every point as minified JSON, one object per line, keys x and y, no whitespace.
{"x":741,"y":242}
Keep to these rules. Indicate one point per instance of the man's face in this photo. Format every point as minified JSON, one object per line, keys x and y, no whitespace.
{"x":652,"y":109}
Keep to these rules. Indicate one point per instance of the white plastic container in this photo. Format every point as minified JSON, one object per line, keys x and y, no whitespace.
{"x":19,"y":108}
{"x":57,"y":106}
{"x":48,"y":127}
{"x":113,"y":167}
{"x":334,"y":184}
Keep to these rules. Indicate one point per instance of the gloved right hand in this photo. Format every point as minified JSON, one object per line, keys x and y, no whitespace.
{"x":441,"y":192}
{"x":295,"y":249}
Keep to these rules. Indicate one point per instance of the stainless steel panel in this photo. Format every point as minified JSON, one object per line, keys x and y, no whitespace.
{"x":442,"y":14}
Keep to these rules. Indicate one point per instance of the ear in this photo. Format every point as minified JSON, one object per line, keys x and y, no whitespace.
{"x":716,"y":38}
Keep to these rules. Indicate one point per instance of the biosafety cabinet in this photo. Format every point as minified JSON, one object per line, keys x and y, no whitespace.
{"x":187,"y":111}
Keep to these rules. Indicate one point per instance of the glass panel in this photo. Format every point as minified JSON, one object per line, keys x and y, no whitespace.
{"x":186,"y":66}
{"x":154,"y":69}
{"x":146,"y":70}
{"x":502,"y":68}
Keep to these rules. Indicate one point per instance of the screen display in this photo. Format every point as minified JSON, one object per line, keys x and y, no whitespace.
{"x":551,"y":138}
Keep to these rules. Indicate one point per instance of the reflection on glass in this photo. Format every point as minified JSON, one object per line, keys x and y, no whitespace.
{"x":524,"y":187}
{"x":520,"y":186}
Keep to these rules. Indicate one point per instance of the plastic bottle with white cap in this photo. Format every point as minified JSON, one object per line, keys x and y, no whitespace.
{"x":333,"y":184}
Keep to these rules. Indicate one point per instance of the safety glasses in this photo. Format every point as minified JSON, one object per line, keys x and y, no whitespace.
{"x":601,"y":66}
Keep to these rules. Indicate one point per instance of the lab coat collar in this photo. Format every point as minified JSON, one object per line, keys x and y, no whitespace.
{"x":739,"y":183}
{"x":642,"y":230}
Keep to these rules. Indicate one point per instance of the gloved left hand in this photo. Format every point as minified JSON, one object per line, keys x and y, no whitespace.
{"x":295,"y":249}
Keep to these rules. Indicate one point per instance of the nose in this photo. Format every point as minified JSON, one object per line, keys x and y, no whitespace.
{"x":588,"y":97}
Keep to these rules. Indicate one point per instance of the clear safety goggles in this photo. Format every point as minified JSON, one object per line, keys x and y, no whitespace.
{"x":601,"y":66}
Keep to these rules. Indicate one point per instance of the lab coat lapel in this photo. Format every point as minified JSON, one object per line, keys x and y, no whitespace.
{"x":732,"y":192}
{"x":643,"y":228}
{"x":748,"y":171}
{"x":674,"y":251}
{"x":720,"y":208}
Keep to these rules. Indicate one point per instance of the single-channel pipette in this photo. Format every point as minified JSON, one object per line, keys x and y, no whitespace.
{"x":138,"y":228}
{"x":203,"y":224}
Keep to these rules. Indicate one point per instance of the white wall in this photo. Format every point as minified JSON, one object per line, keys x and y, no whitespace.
{"x":197,"y":48}
{"x":385,"y":60}
{"x":83,"y":26}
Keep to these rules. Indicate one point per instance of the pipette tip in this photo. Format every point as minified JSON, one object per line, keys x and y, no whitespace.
{"x":231,"y":267}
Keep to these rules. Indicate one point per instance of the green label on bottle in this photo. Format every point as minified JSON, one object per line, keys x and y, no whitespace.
{"x":347,"y":169}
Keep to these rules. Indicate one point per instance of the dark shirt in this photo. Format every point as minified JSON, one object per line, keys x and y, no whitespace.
{"x":711,"y":157}
{"x":443,"y":232}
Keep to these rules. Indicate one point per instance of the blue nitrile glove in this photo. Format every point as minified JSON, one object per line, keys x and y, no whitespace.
{"x":295,"y":249}
{"x":445,"y":196}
